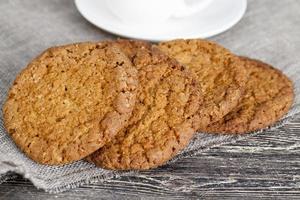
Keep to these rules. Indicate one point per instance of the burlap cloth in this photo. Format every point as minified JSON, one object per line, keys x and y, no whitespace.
{"x":269,"y":31}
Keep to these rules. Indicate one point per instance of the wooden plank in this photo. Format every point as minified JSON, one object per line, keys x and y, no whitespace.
{"x":263,"y":166}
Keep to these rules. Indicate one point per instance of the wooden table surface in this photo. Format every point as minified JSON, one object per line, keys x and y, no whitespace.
{"x":264,"y":166}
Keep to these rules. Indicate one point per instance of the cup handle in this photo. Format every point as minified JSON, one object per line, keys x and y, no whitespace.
{"x":186,"y":9}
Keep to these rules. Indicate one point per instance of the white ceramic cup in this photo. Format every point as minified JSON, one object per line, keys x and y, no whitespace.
{"x":154,"y":11}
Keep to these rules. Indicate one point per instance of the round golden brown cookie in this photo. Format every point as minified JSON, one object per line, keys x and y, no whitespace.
{"x":164,"y":117}
{"x":268,"y":96}
{"x":70,"y":101}
{"x":220,"y":73}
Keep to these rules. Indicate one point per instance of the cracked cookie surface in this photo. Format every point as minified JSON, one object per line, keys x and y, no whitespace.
{"x":164,"y":117}
{"x":220,"y":73}
{"x":268,"y":96}
{"x":70,"y":101}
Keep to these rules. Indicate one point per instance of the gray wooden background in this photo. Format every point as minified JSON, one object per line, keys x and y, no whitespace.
{"x":265,"y":166}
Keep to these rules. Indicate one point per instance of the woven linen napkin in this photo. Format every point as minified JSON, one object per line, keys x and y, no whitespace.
{"x":266,"y":32}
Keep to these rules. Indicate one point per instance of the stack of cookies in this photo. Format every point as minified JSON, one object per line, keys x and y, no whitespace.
{"x":133,"y":105}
